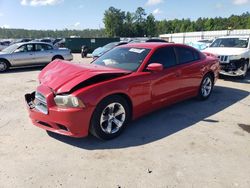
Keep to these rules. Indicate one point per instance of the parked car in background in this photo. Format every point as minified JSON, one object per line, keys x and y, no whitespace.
{"x":233,"y":53}
{"x":200,"y":44}
{"x":31,"y":53}
{"x":3,"y":45}
{"x":20,"y":40}
{"x":60,"y":43}
{"x":140,"y":40}
{"x":123,"y":84}
{"x":101,"y":50}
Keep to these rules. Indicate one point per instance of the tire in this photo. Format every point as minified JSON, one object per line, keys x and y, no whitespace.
{"x":57,"y":57}
{"x":110,"y":118}
{"x":206,"y":87}
{"x":4,"y":65}
{"x":244,"y":69}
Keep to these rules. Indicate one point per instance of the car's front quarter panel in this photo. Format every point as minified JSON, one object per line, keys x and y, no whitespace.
{"x":7,"y":57}
{"x":134,"y":86}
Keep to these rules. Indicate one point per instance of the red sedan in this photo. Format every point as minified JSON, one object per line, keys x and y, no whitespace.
{"x":123,"y":84}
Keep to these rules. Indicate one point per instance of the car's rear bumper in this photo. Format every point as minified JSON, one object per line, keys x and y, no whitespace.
{"x":72,"y":122}
{"x":68,"y":57}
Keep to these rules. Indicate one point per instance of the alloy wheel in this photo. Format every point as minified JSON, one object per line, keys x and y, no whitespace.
{"x":206,"y":87}
{"x":3,"y":66}
{"x":112,"y":118}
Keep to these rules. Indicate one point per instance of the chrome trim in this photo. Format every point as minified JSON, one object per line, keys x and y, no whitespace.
{"x":41,"y":103}
{"x":223,"y":58}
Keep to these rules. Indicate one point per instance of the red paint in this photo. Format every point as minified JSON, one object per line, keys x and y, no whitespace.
{"x":155,"y":67}
{"x":146,"y":90}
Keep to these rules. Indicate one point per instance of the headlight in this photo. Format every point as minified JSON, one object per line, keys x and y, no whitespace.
{"x":68,"y":101}
{"x":235,"y":57}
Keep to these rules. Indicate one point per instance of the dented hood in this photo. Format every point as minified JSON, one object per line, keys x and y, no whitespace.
{"x":62,"y":76}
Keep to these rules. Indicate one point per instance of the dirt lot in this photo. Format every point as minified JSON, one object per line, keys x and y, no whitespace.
{"x":191,"y":144}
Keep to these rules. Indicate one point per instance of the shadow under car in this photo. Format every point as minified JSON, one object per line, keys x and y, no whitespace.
{"x":164,"y":122}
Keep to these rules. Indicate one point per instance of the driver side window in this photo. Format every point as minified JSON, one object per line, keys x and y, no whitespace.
{"x":165,"y":56}
{"x":25,"y":48}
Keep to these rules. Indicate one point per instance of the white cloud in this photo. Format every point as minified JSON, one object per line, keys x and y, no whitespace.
{"x":154,"y":2}
{"x":157,"y":11}
{"x":240,"y":2}
{"x":36,"y":3}
{"x":6,"y":26}
{"x":77,"y":24}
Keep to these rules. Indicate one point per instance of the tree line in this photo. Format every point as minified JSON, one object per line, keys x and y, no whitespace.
{"x":36,"y":34}
{"x":119,"y":23}
{"x":139,"y":24}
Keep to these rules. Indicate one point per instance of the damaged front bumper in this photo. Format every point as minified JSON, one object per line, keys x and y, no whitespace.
{"x":69,"y":122}
{"x":233,"y":68}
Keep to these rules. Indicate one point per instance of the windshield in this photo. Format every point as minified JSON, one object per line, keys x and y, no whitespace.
{"x":231,"y":42}
{"x":11,"y":48}
{"x":123,"y":58}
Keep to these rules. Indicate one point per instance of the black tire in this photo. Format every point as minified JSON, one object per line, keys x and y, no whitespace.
{"x":57,"y":57}
{"x":202,"y":94}
{"x":97,"y":128}
{"x":4,"y":65}
{"x":245,"y":69}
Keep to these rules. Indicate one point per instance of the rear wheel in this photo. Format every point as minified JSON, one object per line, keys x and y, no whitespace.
{"x":4,"y":65}
{"x":206,"y":87}
{"x":110,"y":118}
{"x":57,"y":57}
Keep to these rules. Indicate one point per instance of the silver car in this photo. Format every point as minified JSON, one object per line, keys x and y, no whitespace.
{"x":31,"y":53}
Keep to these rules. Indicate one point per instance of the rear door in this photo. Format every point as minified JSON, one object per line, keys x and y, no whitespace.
{"x":43,"y":53}
{"x":190,"y":68}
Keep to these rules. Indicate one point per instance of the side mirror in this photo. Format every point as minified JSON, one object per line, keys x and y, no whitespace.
{"x":155,"y":67}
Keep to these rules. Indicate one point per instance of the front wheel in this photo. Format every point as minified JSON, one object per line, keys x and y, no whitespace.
{"x":4,"y":66}
{"x":110,"y":118}
{"x":206,"y":87}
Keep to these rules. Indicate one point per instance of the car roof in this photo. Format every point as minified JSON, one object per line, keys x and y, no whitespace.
{"x":22,"y":43}
{"x":150,"y":45}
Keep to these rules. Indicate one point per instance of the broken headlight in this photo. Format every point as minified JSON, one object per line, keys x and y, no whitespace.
{"x":68,"y":101}
{"x":235,"y":57}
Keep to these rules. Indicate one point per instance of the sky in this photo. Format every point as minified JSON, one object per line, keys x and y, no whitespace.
{"x":84,"y":14}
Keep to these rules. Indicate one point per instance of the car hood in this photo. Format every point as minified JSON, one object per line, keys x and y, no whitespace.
{"x":3,"y":53}
{"x":225,"y":51}
{"x":62,"y":76}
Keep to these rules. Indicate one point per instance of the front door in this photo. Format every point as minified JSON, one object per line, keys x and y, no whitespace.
{"x":164,"y":84}
{"x":24,"y":55}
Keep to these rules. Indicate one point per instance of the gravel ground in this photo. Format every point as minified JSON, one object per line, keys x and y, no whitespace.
{"x":190,"y":144}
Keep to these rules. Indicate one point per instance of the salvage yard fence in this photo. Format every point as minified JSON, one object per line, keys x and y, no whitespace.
{"x":202,"y":35}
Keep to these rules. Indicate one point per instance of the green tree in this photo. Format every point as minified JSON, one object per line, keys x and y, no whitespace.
{"x":140,"y":22}
{"x":151,"y":26}
{"x":113,"y":21}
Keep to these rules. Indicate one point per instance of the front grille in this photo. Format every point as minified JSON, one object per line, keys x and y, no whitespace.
{"x":41,"y":103}
{"x":223,"y":58}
